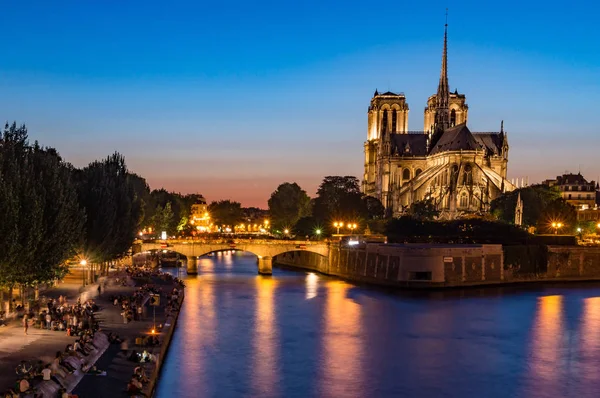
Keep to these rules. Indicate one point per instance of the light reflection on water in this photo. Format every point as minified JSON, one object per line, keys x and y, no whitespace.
{"x":300,"y":334}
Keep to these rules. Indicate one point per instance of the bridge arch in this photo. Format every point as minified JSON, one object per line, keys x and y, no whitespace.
{"x":265,"y":250}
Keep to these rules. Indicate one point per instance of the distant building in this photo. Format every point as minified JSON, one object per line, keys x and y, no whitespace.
{"x":576,"y":190}
{"x":199,"y":216}
{"x":459,"y":170}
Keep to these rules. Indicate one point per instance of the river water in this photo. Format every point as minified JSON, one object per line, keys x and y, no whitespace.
{"x":299,"y":334}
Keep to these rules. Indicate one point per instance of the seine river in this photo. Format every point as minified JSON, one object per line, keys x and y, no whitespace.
{"x":299,"y":334}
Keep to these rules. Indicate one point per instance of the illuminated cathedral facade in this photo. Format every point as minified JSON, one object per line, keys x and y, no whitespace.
{"x":458,"y":170}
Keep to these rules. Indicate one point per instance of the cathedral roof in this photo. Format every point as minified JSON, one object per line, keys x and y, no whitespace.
{"x":491,"y":141}
{"x":455,"y":139}
{"x":390,"y":93}
{"x":409,"y":144}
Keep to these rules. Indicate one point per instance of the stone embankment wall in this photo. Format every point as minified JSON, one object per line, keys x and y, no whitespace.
{"x":161,"y":351}
{"x":433,"y":265}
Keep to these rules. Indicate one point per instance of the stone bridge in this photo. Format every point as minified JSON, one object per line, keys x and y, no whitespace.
{"x":265,"y":250}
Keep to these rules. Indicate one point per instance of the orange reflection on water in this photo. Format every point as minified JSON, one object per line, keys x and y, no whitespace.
{"x":265,"y":368}
{"x":546,"y":344}
{"x":590,"y":343}
{"x":343,"y":345}
{"x":201,"y":323}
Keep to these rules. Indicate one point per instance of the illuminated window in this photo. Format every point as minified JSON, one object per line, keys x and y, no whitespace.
{"x":463,"y":200}
{"x":453,"y":118}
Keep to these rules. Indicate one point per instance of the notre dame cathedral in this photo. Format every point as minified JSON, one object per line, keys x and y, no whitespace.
{"x":461,"y":171}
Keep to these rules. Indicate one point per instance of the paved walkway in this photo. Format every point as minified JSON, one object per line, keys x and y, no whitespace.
{"x":38,"y":344}
{"x":119,"y":370}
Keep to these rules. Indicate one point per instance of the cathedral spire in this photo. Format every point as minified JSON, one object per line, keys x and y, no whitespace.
{"x":442,"y":116}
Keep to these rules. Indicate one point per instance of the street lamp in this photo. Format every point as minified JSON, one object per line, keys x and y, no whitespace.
{"x":556,"y":226}
{"x":286,"y":231}
{"x":83,"y":263}
{"x":318,"y":232}
{"x":352,"y":227}
{"x":338,"y":225}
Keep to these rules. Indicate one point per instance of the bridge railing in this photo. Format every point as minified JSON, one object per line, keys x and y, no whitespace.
{"x":231,"y":242}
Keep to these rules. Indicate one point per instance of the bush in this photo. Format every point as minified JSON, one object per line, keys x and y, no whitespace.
{"x":410,"y":230}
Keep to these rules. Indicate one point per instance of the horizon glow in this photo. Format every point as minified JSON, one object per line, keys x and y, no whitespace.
{"x":230,"y":100}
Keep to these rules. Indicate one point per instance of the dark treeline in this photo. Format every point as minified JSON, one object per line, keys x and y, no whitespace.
{"x":338,"y":200}
{"x":53,"y":212}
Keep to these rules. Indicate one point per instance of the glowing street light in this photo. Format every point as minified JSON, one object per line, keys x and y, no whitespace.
{"x":83,"y":263}
{"x":318,"y":232}
{"x":338,"y":225}
{"x":556,"y":226}
{"x":286,"y":231}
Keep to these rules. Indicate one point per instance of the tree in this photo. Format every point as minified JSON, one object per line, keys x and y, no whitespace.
{"x":226,"y":212}
{"x":424,"y":210}
{"x":541,"y":206}
{"x":375,"y":209}
{"x":163,"y":219}
{"x":339,"y":198}
{"x":107,"y":192}
{"x":287,"y":204}
{"x":42,"y":220}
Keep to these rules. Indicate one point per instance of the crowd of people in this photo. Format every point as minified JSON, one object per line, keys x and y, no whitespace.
{"x":59,"y":315}
{"x":80,"y":321}
{"x":64,"y":363}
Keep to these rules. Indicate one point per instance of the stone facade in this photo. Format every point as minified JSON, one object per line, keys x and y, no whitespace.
{"x":425,"y":266}
{"x":576,"y":190}
{"x":459,"y":170}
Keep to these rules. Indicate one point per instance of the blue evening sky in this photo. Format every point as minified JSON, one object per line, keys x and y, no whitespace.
{"x":231,"y":98}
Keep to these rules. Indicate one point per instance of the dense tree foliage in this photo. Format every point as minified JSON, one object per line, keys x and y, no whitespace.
{"x":339,"y":199}
{"x":424,"y":210}
{"x":542,"y":205}
{"x":108,"y":194}
{"x":287,"y":205}
{"x":173,"y":220}
{"x":41,"y":218}
{"x":410,"y":230}
{"x":226,"y":212}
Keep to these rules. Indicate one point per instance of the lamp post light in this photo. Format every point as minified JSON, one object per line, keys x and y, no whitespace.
{"x":286,"y":232}
{"x":318,"y":232}
{"x":83,"y":263}
{"x":352,"y":227}
{"x":556,"y":226}
{"x":338,"y":225}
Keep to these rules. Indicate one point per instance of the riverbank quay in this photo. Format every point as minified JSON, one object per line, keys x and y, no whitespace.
{"x":38,"y":344}
{"x":427,"y":266}
{"x":115,"y":361}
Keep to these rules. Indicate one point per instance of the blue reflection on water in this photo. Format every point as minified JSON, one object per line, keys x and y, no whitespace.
{"x":303,"y":335}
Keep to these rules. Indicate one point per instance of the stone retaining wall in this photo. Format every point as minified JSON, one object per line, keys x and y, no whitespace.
{"x":416,"y":265}
{"x":161,"y":352}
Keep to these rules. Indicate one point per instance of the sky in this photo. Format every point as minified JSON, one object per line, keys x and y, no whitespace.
{"x":230,"y":99}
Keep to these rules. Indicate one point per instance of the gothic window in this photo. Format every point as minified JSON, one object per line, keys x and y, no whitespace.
{"x":417,"y":172}
{"x":468,"y":175}
{"x":384,"y":122}
{"x":406,"y":174}
{"x":453,"y":118}
{"x":394,"y":119}
{"x":463,"y":200}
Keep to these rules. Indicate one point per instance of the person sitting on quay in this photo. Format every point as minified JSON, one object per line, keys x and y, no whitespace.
{"x":135,"y":387}
{"x":140,"y":373}
{"x":26,"y":388}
